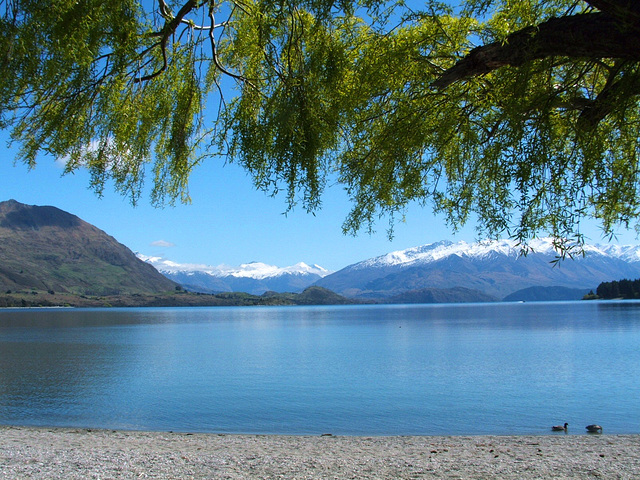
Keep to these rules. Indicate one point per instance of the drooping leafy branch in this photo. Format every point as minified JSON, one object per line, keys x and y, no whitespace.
{"x":532,"y":131}
{"x":520,"y":113}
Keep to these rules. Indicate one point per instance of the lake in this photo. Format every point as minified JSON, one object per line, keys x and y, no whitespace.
{"x":499,"y":368}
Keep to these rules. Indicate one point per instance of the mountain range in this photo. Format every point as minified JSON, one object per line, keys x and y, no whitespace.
{"x":44,"y":250}
{"x":494,"y":269}
{"x":49,"y":257}
{"x":254,"y":278}
{"x":437,"y":272}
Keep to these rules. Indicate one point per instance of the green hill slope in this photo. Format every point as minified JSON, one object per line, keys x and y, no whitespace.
{"x":47,"y":249}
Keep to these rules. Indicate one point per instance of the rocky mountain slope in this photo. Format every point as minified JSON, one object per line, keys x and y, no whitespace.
{"x":43,"y":248}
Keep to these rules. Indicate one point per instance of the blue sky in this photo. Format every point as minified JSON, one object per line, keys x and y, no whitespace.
{"x":228,"y":222}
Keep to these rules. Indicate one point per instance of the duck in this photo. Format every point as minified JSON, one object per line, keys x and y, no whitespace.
{"x":560,"y":428}
{"x":594,"y":428}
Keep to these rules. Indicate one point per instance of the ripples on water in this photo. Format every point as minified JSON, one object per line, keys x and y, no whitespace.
{"x":374,"y":370}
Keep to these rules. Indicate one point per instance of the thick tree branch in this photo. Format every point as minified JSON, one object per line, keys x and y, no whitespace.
{"x":626,"y":11}
{"x":589,"y":36}
{"x":609,"y":99}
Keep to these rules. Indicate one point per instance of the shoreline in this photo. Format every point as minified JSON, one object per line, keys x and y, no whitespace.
{"x":72,"y":453}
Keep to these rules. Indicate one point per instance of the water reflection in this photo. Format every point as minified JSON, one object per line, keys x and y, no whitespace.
{"x":462,"y":369}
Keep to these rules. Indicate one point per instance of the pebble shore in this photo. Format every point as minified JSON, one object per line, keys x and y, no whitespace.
{"x":51,"y":453}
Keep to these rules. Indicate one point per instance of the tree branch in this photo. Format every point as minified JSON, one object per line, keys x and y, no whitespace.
{"x":214,"y":51}
{"x":169,"y":28}
{"x":609,"y":99}
{"x":626,"y":11}
{"x":589,"y":36}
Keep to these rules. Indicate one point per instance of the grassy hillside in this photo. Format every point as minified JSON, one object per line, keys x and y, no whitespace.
{"x":311,"y":296}
{"x":44,"y":249}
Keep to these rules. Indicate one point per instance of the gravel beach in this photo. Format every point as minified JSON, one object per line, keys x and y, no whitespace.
{"x":43,"y":453}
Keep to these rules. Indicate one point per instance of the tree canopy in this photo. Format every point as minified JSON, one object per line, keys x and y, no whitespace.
{"x":520,"y":113}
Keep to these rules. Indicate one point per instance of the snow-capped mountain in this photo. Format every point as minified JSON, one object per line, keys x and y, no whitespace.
{"x":442,"y":271}
{"x":494,"y":268}
{"x":255,"y":277}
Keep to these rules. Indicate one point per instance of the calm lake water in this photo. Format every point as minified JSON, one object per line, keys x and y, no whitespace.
{"x":374,"y":370}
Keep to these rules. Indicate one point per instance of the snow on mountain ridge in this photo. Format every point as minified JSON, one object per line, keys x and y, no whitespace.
{"x":483,"y":249}
{"x":423,"y":254}
{"x":259,"y":270}
{"x":628,"y":253}
{"x":436,"y":251}
{"x":255,"y":270}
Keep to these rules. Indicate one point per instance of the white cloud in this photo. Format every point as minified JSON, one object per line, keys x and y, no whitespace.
{"x":86,"y":150}
{"x":162,"y":243}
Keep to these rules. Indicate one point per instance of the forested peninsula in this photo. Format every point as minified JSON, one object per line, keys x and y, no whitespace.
{"x":619,"y":289}
{"x":179,"y":298}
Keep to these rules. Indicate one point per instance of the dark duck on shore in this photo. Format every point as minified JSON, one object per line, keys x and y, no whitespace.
{"x":594,"y":428}
{"x":560,"y":428}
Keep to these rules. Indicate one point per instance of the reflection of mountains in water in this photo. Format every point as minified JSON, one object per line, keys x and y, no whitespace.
{"x":231,"y":370}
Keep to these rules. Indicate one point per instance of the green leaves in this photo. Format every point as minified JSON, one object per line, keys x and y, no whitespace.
{"x":514,"y":112}
{"x":286,"y":121}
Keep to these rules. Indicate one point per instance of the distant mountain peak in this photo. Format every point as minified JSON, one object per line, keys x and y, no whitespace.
{"x":495,"y":268}
{"x":253,"y":277}
{"x":436,"y":251}
{"x":251,"y":269}
{"x":430,"y":251}
{"x":16,"y":215}
{"x":256,"y":270}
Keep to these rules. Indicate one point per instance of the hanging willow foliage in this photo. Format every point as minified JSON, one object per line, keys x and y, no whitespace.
{"x":520,"y":113}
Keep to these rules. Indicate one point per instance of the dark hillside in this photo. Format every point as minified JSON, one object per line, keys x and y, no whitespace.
{"x":47,"y":249}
